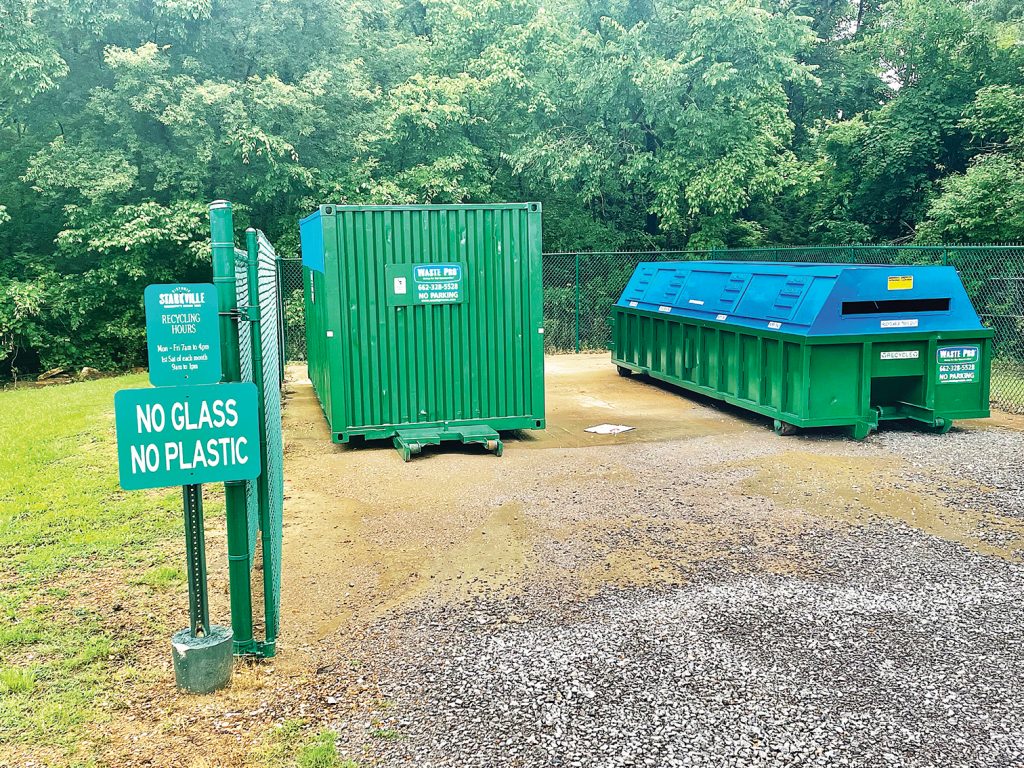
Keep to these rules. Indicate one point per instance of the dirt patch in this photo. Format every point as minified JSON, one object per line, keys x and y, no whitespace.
{"x":858,"y":489}
{"x":367,"y":534}
{"x":585,"y":390}
{"x":356,"y":547}
{"x":998,"y":420}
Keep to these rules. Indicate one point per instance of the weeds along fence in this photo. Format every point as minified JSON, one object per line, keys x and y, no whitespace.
{"x":581,"y":287}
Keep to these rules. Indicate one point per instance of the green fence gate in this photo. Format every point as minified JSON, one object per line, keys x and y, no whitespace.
{"x":248,"y":282}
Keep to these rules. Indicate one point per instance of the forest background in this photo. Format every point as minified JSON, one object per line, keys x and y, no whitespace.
{"x":639,"y":124}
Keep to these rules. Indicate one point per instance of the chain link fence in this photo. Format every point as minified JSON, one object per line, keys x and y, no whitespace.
{"x":580,"y":289}
{"x":293,"y":310}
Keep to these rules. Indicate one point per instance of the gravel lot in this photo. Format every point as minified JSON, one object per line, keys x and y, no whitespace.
{"x":910,"y":654}
{"x":705,"y":594}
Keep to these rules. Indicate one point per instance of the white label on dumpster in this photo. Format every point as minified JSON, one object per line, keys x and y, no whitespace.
{"x":664,"y":309}
{"x":911,"y":323}
{"x":903,"y":354}
{"x":698,"y":302}
{"x":721,"y":317}
{"x":399,"y":286}
{"x":632,"y":303}
{"x":774,"y":326}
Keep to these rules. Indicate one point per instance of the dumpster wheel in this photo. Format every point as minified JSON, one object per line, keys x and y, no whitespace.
{"x":942,"y":426}
{"x":624,"y":371}
{"x":860,"y":430}
{"x":785,"y":429}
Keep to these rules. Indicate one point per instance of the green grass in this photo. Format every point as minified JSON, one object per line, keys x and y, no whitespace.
{"x":72,"y":542}
{"x":15,"y":680}
{"x":291,"y":746}
{"x":162,"y":577}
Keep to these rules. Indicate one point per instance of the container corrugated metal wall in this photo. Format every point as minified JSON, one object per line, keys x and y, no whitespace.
{"x":425,"y":316}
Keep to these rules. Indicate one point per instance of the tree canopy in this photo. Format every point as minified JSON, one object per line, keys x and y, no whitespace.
{"x":638,"y":124}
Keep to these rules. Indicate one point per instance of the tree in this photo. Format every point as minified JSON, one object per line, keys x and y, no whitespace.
{"x":637,"y":123}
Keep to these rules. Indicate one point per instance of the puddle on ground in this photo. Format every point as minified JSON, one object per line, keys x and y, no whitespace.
{"x":590,"y":392}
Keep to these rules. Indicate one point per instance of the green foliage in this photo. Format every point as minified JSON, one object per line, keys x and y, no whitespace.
{"x":986,"y":203}
{"x":683,"y":123}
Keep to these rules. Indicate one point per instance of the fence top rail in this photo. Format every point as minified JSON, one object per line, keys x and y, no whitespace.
{"x":776,"y":248}
{"x":619,"y":253}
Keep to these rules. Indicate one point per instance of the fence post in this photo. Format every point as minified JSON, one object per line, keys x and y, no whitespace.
{"x":577,"y":303}
{"x":222,"y":247}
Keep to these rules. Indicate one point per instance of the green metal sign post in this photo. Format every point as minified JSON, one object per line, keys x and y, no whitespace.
{"x":195,"y":560}
{"x":187,"y":436}
{"x":202,"y":656}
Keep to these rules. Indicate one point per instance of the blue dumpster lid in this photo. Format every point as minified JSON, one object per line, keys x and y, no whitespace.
{"x":805,"y":299}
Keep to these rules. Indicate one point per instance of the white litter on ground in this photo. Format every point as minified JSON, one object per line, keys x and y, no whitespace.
{"x":608,"y":429}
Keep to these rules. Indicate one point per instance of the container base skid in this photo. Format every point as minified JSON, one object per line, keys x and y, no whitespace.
{"x":410,"y":442}
{"x":861,"y":429}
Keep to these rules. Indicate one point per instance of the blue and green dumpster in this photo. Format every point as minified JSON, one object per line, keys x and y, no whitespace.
{"x":810,"y":345}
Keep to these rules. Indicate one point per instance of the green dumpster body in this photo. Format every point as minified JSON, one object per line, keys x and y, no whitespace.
{"x":810,"y":345}
{"x":424,"y":323}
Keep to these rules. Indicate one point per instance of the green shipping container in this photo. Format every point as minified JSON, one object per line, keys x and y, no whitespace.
{"x":424,"y":323}
{"x":810,"y":345}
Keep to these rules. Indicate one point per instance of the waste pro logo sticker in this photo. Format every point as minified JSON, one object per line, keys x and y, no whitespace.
{"x":438,"y":284}
{"x":901,"y":282}
{"x":958,"y":365}
{"x":413,"y":284}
